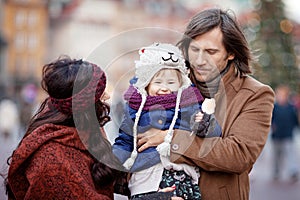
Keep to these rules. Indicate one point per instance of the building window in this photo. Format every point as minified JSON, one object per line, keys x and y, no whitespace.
{"x":32,"y":42}
{"x":20,"y":41}
{"x":20,"y":18}
{"x":32,"y":18}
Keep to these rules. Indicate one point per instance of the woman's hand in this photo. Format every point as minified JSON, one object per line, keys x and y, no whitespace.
{"x":151,"y":138}
{"x":170,"y":189}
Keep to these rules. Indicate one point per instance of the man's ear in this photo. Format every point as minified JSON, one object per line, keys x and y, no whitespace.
{"x":230,"y":56}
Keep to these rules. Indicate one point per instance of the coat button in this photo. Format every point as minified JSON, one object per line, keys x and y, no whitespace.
{"x":175,"y":147}
{"x":160,"y":121}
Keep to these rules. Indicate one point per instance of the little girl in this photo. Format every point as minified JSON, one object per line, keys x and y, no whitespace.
{"x":160,"y":96}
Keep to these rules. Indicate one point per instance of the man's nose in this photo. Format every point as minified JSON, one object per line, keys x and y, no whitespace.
{"x":200,"y":59}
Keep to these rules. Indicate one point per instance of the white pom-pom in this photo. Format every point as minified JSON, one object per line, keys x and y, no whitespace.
{"x":129,"y":162}
{"x":164,"y":149}
{"x":208,"y":106}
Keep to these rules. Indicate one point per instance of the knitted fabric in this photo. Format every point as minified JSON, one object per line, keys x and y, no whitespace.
{"x":155,"y":57}
{"x":210,"y":88}
{"x":84,"y":98}
{"x":189,"y":96}
{"x":53,"y":163}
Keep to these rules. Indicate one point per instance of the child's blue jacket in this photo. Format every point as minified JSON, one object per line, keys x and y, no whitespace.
{"x":156,"y":118}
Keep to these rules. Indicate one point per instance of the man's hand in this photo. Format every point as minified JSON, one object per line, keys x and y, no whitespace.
{"x":151,"y":138}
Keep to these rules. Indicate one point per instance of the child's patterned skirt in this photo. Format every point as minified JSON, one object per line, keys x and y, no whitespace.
{"x":185,"y":187}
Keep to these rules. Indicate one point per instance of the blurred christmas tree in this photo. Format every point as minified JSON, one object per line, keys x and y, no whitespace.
{"x":274,"y":42}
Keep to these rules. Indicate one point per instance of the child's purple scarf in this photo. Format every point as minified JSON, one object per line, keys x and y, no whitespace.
{"x":190,"y":95}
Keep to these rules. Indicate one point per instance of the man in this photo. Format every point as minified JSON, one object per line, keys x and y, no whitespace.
{"x":218,"y":56}
{"x":284,"y":121}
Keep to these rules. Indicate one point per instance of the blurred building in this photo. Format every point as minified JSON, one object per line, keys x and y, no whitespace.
{"x":107,"y":32}
{"x":38,"y":31}
{"x":25,"y":26}
{"x":3,"y":44}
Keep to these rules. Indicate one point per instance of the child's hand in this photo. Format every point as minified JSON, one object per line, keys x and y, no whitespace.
{"x":201,"y":124}
{"x":204,"y":118}
{"x":199,"y":117}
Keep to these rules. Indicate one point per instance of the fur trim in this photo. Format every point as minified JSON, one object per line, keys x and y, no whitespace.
{"x":129,"y":162}
{"x":164,"y":148}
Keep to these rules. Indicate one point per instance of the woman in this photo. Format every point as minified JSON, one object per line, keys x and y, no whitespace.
{"x":64,"y":153}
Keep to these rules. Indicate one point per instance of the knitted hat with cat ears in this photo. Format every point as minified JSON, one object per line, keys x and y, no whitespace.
{"x":154,"y":58}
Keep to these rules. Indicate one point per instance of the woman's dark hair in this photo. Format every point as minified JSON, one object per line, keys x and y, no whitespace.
{"x":233,"y":38}
{"x":59,"y":82}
